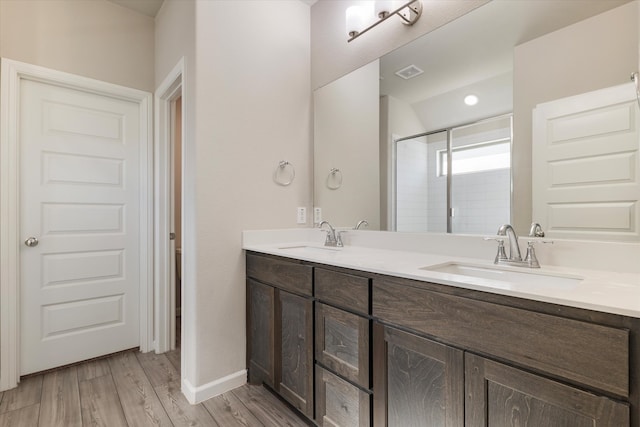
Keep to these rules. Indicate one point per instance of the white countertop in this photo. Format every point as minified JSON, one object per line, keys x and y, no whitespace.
{"x":605,"y":291}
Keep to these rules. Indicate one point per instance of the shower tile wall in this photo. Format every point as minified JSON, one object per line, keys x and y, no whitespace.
{"x":412,"y":189}
{"x":481,"y":201}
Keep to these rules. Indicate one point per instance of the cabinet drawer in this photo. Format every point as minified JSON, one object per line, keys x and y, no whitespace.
{"x":297,"y":278}
{"x":585,"y":353}
{"x":343,"y":290}
{"x":339,"y":403}
{"x":342,"y":343}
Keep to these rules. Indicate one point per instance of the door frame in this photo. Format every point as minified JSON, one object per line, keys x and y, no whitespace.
{"x":12,"y":72}
{"x":167,"y":92}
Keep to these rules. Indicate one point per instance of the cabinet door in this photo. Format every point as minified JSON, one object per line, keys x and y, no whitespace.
{"x":416,"y":381}
{"x":295,"y":371}
{"x":342,"y":343}
{"x":261,"y":339}
{"x":502,"y":396}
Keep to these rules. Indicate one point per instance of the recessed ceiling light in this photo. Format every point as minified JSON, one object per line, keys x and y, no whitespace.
{"x":409,"y":72}
{"x":471,"y":100}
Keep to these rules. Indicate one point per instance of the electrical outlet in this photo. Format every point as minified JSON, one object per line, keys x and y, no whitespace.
{"x":317,"y":215}
{"x":302,"y":215}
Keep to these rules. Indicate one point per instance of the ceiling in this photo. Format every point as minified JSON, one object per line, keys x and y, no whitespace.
{"x":151,"y":7}
{"x":479,"y":45}
{"x":146,"y":7}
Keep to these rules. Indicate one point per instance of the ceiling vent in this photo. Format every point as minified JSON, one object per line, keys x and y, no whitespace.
{"x":409,"y":72}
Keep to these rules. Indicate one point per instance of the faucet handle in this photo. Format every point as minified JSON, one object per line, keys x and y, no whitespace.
{"x":530,"y":258}
{"x":339,"y":242}
{"x":501,"y":255}
{"x":496,"y":238}
{"x":533,"y":240}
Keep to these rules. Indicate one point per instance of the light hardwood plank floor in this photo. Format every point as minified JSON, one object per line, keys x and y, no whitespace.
{"x":133,"y":389}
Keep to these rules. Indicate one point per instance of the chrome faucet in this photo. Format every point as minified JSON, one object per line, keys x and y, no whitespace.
{"x":515,"y":258}
{"x":536,"y":230}
{"x":361,"y":223}
{"x":514,"y":248}
{"x":333,"y":238}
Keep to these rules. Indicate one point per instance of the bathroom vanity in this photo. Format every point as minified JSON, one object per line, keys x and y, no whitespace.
{"x":355,"y":347}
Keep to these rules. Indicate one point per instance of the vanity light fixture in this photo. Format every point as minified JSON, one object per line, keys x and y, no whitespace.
{"x":357,"y":18}
{"x":471,"y":100}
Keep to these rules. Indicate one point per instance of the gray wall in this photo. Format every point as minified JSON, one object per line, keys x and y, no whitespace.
{"x":96,"y":39}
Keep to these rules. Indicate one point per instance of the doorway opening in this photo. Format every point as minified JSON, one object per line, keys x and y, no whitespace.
{"x":168,"y":234}
{"x":176,"y":221}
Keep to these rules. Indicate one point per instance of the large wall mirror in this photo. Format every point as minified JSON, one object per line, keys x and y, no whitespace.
{"x":396,"y":144}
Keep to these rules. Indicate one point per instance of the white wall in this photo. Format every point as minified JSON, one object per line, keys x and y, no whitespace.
{"x":598,"y":52}
{"x":333,"y":57}
{"x":252,"y":109}
{"x":346,"y":116}
{"x":96,"y":39}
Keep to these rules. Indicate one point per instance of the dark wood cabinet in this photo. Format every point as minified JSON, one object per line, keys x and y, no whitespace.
{"x":498,"y":395}
{"x":399,"y":352}
{"x":343,"y":290}
{"x":261,"y":322}
{"x":295,"y":348}
{"x":417,"y":382}
{"x":340,"y":403}
{"x":343,"y":349}
{"x":566,"y":348}
{"x":342,"y":343}
{"x":280,"y":329}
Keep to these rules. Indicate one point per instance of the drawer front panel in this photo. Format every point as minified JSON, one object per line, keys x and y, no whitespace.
{"x":342,"y":343}
{"x":586,"y":353}
{"x":343,"y":290}
{"x":339,"y":403}
{"x":297,"y":278}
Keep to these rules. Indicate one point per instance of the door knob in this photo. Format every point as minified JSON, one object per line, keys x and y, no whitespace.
{"x":31,"y":241}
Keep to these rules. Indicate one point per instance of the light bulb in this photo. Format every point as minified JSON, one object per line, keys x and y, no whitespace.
{"x":383,"y":8}
{"x":471,"y":100}
{"x":355,"y":20}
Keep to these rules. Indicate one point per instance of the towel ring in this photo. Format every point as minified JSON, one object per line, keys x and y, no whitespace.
{"x":280,"y":170}
{"x":334,"y":179}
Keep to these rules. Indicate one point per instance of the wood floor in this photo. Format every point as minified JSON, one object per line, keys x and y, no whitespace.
{"x":133,"y":389}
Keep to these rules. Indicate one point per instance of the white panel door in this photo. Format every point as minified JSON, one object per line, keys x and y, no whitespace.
{"x":585,"y":165}
{"x":79,"y":197}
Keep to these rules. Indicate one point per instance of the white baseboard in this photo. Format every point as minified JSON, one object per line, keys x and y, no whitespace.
{"x":201,"y":393}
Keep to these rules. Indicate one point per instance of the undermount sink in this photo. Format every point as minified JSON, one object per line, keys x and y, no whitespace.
{"x":311,"y":249}
{"x":527,"y":277}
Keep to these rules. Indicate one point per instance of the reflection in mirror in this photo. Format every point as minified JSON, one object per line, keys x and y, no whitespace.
{"x":475,"y":187}
{"x":345,"y":140}
{"x":512,"y":55}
